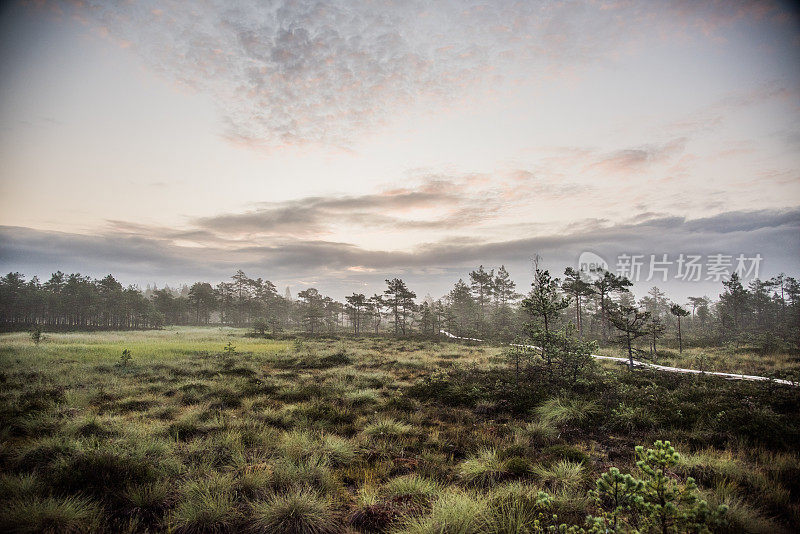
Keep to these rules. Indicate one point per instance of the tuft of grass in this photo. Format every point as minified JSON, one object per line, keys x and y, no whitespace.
{"x":387,"y":428}
{"x":361,"y":397}
{"x":542,"y":432}
{"x":741,"y":516}
{"x":18,"y":486}
{"x":455,"y":512}
{"x":567,"y":452}
{"x":486,"y":467}
{"x":254,"y":481}
{"x":94,"y":427}
{"x":517,"y":466}
{"x":561,"y":411}
{"x":300,"y":511}
{"x":338,"y":451}
{"x":105,"y":471}
{"x":515,"y":509}
{"x":149,"y":500}
{"x":208,"y":506}
{"x":417,"y":490}
{"x":39,"y":454}
{"x":52,"y":515}
{"x":299,"y":446}
{"x":564,"y":474}
{"x":312,"y":473}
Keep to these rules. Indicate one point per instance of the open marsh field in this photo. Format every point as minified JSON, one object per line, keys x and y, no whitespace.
{"x":362,"y":435}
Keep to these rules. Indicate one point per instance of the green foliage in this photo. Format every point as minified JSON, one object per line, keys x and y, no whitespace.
{"x":454,"y":387}
{"x":484,"y":468}
{"x":563,"y":411}
{"x":415,"y":489}
{"x":387,"y":428}
{"x":36,"y":334}
{"x":51,"y":515}
{"x":260,"y":326}
{"x":299,"y":511}
{"x":517,"y":466}
{"x":656,"y":501}
{"x":517,"y":510}
{"x":125,"y":358}
{"x":182,"y":442}
{"x":207,"y":506}
{"x":455,"y":512}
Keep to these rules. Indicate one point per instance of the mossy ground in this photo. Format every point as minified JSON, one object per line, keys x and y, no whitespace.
{"x":332,"y":435}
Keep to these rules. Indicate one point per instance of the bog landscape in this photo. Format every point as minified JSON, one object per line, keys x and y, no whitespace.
{"x":314,"y":416}
{"x":399,"y":266}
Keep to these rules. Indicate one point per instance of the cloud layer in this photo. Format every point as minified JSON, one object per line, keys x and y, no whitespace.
{"x":307,"y":71}
{"x":340,"y":267}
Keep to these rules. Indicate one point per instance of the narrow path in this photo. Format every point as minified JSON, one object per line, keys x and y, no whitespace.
{"x":636,"y":363}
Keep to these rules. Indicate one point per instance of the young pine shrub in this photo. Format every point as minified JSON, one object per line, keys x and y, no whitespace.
{"x":654,"y":500}
{"x":300,"y":511}
{"x":51,"y":515}
{"x":484,"y":468}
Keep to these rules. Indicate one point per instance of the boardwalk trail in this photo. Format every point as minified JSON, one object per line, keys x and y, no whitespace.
{"x":636,"y":363}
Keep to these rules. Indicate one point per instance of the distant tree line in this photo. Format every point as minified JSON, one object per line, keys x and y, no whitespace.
{"x":484,"y":305}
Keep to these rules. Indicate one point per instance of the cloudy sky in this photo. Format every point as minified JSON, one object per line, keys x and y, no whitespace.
{"x":336,"y":144}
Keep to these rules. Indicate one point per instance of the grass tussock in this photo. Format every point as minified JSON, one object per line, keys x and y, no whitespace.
{"x":300,"y":511}
{"x":52,"y":515}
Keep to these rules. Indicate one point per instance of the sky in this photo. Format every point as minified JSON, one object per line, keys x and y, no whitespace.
{"x":337,"y":144}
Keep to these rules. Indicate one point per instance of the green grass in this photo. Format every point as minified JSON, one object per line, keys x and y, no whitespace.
{"x":51,"y":515}
{"x":296,"y":512}
{"x":356,"y":435}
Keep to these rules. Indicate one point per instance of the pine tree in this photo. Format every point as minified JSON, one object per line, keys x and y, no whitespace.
{"x":679,"y":312}
{"x":545,"y":302}
{"x":604,"y":287}
{"x":576,"y":287}
{"x":482,"y":284}
{"x":632,"y":323}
